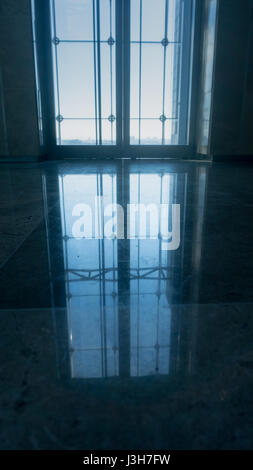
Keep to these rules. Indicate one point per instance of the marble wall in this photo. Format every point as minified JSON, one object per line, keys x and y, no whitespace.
{"x":228,"y":133}
{"x":19,"y":106}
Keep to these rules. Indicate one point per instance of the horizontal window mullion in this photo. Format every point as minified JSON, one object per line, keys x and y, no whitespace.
{"x":89,"y":41}
{"x":154,"y":42}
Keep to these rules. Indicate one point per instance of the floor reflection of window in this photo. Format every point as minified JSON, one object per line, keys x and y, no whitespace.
{"x":114,"y":331}
{"x":91,"y":281}
{"x":150,"y":314}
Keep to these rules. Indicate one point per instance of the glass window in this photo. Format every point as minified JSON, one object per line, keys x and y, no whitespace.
{"x":83,"y":43}
{"x":160,"y":71}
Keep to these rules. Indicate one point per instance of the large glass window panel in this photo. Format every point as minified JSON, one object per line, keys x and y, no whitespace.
{"x":84,"y":44}
{"x":161,"y":38}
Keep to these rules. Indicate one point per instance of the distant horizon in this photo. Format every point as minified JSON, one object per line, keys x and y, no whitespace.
{"x":133,"y":140}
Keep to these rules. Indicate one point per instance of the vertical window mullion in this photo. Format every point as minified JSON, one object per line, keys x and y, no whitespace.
{"x":176,"y":70}
{"x":140,"y":77}
{"x":110,"y":45}
{"x":126,"y":71}
{"x":187,"y":14}
{"x":99,"y":74}
{"x":119,"y":73}
{"x":164,"y":66}
{"x":95,"y":69}
{"x":57,"y":71}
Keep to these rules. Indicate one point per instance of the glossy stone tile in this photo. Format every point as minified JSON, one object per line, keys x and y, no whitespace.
{"x":202,"y":400}
{"x":117,"y":343}
{"x":214,"y":262}
{"x":21,"y":207}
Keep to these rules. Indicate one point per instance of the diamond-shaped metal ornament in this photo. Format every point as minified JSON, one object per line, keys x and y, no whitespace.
{"x":110,"y":41}
{"x":59,"y":118}
{"x":111,"y":118}
{"x":56,"y":41}
{"x":165,"y":42}
{"x":162,"y":118}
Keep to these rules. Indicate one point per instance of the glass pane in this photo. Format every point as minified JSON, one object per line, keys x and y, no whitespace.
{"x":134,"y":83}
{"x":161,"y":37}
{"x":78,"y":132}
{"x":108,"y":80}
{"x":76,"y":80}
{"x":172,"y":71}
{"x":153,"y":20}
{"x":151,"y":132}
{"x":135,"y":20}
{"x":108,"y":132}
{"x":84,"y":71}
{"x":151,"y":80}
{"x":107,"y":25}
{"x":134,"y":131}
{"x":74,"y":19}
{"x":151,"y":84}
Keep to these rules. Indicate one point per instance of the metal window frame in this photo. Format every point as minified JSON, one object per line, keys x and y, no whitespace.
{"x":122,"y":147}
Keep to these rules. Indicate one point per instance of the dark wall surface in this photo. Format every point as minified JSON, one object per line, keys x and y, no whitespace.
{"x":18,"y":106}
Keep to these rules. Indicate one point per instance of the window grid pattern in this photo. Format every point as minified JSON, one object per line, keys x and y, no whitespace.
{"x":147,"y":131}
{"x":100,"y":129}
{"x":83,"y":37}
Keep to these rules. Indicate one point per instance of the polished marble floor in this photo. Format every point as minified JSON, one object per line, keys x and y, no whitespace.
{"x":118,"y":343}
